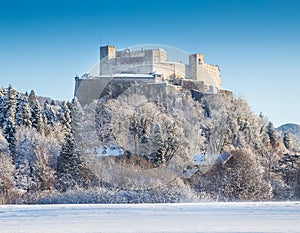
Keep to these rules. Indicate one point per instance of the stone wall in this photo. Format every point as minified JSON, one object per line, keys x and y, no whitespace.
{"x":87,"y":90}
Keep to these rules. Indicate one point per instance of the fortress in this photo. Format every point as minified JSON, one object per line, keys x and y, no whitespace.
{"x":121,"y":69}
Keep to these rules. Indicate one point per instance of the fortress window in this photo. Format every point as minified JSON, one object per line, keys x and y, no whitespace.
{"x":199,"y":61}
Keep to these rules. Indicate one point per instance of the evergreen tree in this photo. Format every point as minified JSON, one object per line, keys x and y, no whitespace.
{"x":46,"y":126}
{"x":9,"y":129}
{"x":36,"y":116}
{"x":156,"y":145}
{"x":48,"y":113}
{"x":289,"y":168}
{"x":23,"y":111}
{"x":69,"y":166}
{"x":287,"y":141}
{"x":64,"y":116}
{"x":26,"y":112}
{"x":32,"y":98}
{"x":18,"y":114}
{"x":23,"y":176}
{"x":3,"y":105}
{"x":271,"y":132}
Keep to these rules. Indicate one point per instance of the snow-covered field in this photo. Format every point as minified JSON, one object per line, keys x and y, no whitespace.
{"x":186,"y":217}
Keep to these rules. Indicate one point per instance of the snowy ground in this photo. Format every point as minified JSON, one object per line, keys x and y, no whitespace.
{"x":191,"y":217}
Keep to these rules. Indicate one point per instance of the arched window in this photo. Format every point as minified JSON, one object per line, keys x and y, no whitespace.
{"x":199,"y":61}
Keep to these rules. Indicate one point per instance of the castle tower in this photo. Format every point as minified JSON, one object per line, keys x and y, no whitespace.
{"x":195,"y":62}
{"x":206,"y":73}
{"x":108,"y":52}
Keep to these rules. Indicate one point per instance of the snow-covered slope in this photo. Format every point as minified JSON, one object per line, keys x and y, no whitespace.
{"x":290,"y":128}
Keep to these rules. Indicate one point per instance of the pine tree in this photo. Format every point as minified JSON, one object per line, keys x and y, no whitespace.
{"x":3,"y":105}
{"x":287,"y":141}
{"x":64,"y":116}
{"x":26,"y":112}
{"x":9,"y":128}
{"x":48,"y":113}
{"x":271,"y":132}
{"x":18,"y":115}
{"x":36,"y":116}
{"x":23,"y":176}
{"x":289,"y":168}
{"x":69,"y":165}
{"x":156,"y":145}
{"x":32,"y":98}
{"x":23,"y":111}
{"x":46,"y":126}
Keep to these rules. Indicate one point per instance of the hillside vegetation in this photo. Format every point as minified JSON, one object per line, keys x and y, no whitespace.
{"x":133,"y":150}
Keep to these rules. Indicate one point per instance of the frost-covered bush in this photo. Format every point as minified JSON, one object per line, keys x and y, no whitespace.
{"x":241,"y":178}
{"x":281,"y":191}
{"x":172,"y":193}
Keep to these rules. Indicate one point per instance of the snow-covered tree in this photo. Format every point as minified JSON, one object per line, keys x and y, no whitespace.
{"x":32,"y":98}
{"x":84,"y":130}
{"x":43,"y":172}
{"x":23,"y":111}
{"x":36,"y":160}
{"x":18,"y":110}
{"x":78,"y":117}
{"x":287,"y":141}
{"x":7,"y":182}
{"x":48,"y":113}
{"x":36,"y":116}
{"x":156,"y":145}
{"x":289,"y":168}
{"x":64,"y":117}
{"x":3,"y":143}
{"x":273,"y":134}
{"x":69,"y":165}
{"x":103,"y":122}
{"x":173,"y":141}
{"x":7,"y":173}
{"x":3,"y":105}
{"x":9,"y":127}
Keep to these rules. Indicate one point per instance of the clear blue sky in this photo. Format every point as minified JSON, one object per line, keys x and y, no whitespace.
{"x":44,"y":44}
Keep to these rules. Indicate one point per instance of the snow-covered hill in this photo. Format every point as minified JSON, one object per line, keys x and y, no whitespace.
{"x":293,"y":129}
{"x":290,"y":128}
